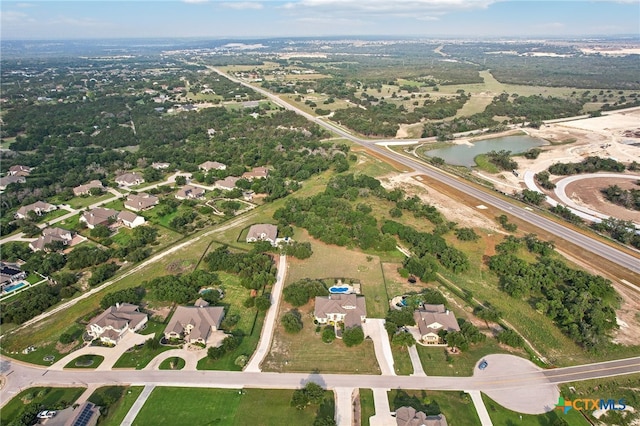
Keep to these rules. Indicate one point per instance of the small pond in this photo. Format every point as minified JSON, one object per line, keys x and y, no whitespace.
{"x":463,"y":155}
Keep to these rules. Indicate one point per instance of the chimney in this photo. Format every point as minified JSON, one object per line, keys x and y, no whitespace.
{"x":117,"y":305}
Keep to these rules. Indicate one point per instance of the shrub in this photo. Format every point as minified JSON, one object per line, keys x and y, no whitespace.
{"x":292,"y":321}
{"x":353,"y":336}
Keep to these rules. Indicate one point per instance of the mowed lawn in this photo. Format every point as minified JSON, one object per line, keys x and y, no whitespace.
{"x":222,"y":407}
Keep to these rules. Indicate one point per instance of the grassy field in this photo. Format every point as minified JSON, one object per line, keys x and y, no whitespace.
{"x":228,"y":407}
{"x":85,"y":201}
{"x":118,"y":410}
{"x":86,"y":361}
{"x":367,"y":406}
{"x":436,"y":362}
{"x":503,"y":416}
{"x":456,"y":406}
{"x":616,"y":388}
{"x":49,"y":398}
{"x":174,"y":363}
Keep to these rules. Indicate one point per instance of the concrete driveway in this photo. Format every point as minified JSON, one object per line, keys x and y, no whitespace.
{"x":374,"y":328}
{"x":111,"y":355}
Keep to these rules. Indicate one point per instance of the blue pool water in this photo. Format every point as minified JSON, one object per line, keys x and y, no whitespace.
{"x":403,"y":302}
{"x":339,"y":290}
{"x":13,"y":287}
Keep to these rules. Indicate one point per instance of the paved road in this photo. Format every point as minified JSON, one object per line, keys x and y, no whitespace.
{"x":605,"y":251}
{"x":508,"y":386}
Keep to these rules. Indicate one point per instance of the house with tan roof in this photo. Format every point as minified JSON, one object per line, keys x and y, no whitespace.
{"x":227,"y":184}
{"x":19,"y":170}
{"x":212,"y":165}
{"x":49,"y":236}
{"x":8,"y":180}
{"x":129,"y":179}
{"x":194,"y":324}
{"x":87,"y":187}
{"x":433,"y":318}
{"x":39,"y":208}
{"x":111,"y":325}
{"x":141,"y":201}
{"x":160,"y":166}
{"x":189,"y":192}
{"x":98,"y":216}
{"x":262,"y":232}
{"x":346,"y":308}
{"x":256,"y":173}
{"x":409,"y":416}
{"x":130,"y":220}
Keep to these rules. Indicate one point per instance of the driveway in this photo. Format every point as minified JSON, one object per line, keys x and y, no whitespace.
{"x":111,"y":355}
{"x":266,"y":336}
{"x":344,"y":406}
{"x":374,"y":328}
{"x":415,"y":362}
{"x":383,"y":412}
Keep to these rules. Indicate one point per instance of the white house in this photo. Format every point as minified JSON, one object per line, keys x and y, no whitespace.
{"x":111,"y":325}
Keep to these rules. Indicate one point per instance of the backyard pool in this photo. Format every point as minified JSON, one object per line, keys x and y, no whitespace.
{"x":342,"y":289}
{"x":14,"y":287}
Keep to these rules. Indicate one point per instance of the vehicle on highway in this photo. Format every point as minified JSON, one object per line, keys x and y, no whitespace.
{"x":46,"y":414}
{"x":483,"y":364}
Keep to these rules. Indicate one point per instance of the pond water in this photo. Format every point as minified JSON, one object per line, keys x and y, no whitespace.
{"x":463,"y":155}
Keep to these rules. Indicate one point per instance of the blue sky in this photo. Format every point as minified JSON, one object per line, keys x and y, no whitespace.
{"x":49,"y":19}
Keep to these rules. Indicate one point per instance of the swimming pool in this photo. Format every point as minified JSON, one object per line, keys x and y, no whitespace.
{"x":344,"y":289}
{"x":14,"y":287}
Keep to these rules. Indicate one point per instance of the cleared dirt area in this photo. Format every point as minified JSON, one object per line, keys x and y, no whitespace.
{"x":417,"y":184}
{"x":587,"y":192}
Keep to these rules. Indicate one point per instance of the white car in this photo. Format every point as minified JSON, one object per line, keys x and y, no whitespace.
{"x":47,"y":414}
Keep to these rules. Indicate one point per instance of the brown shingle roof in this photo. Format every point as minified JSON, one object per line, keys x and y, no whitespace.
{"x":201,"y":318}
{"x":408,"y":416}
{"x":353,"y":307}
{"x":118,"y":317}
{"x":141,"y":201}
{"x":262,"y":231}
{"x":433,"y":318}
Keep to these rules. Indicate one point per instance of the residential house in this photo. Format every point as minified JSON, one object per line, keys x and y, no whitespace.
{"x":227,"y":184}
{"x":212,"y":165}
{"x":98,"y":216}
{"x":39,"y":207}
{"x":189,"y":192}
{"x":10,"y":273}
{"x":194,"y":324}
{"x":141,"y":201}
{"x":129,"y":179}
{"x":160,"y":166}
{"x":130,"y":220}
{"x":433,"y":318}
{"x":112,"y":324}
{"x":85,"y":415}
{"x":346,"y":308}
{"x":256,"y":173}
{"x":408,"y":416}
{"x":49,"y":236}
{"x":8,"y":180}
{"x":87,"y":187}
{"x":262,"y":232}
{"x":19,"y":170}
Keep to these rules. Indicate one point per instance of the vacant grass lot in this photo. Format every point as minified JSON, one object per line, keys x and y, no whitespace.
{"x":49,"y":398}
{"x":503,"y":416}
{"x":227,"y":407}
{"x":436,"y":362}
{"x":457,"y":407}
{"x":402,"y":361}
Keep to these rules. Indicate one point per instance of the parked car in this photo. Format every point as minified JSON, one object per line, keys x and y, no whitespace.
{"x":46,"y":414}
{"x":483,"y":364}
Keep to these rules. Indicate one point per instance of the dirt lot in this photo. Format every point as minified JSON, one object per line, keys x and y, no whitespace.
{"x":587,"y":193}
{"x":414,"y":184}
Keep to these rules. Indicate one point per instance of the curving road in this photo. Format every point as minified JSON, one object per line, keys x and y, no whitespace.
{"x":587,"y":243}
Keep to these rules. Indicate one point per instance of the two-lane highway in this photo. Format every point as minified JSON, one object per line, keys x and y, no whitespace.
{"x":585,"y":242}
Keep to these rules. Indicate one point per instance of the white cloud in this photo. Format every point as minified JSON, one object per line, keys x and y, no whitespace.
{"x":78,"y":22}
{"x":386,"y":6}
{"x":13,"y":16}
{"x":195,"y":1}
{"x":242,"y":5}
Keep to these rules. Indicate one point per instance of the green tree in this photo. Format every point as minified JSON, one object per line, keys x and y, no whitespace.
{"x":403,"y":339}
{"x":353,"y":336}
{"x":292,"y":321}
{"x":263,"y":302}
